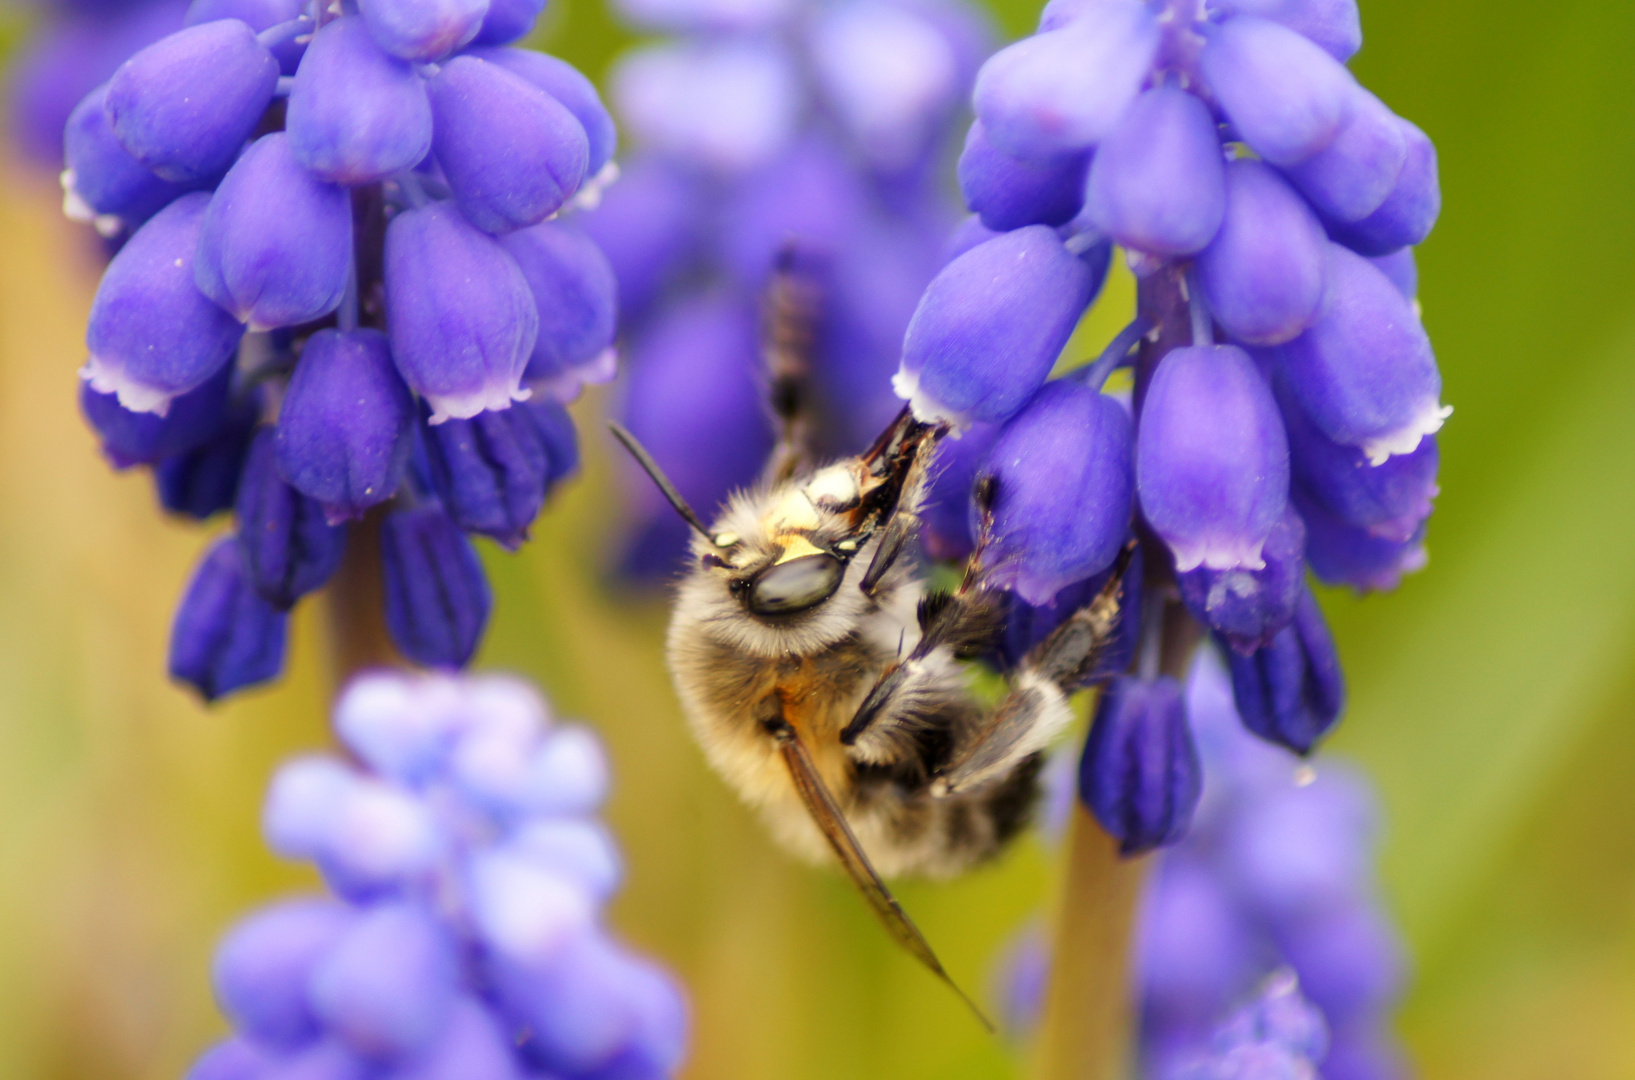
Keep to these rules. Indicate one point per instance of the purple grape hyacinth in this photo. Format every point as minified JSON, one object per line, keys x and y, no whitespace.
{"x":331,"y":242}
{"x":816,"y":128}
{"x":1284,"y":396}
{"x":461,"y":937}
{"x":1262,"y":948}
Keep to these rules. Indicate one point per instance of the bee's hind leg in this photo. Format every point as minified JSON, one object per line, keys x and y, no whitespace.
{"x":1036,"y":708}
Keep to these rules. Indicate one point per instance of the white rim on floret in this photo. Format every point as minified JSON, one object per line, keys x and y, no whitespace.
{"x":1406,"y":439}
{"x":106,"y":377}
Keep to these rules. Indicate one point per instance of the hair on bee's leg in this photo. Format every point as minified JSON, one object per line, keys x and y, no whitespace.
{"x":790,"y":317}
{"x":1036,"y":709}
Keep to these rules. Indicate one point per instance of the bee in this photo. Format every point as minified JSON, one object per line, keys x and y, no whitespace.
{"x":829,"y":686}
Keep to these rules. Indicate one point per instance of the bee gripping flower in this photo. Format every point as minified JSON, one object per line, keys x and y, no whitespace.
{"x":152,"y":335}
{"x":184,"y":105}
{"x":225,"y":635}
{"x":275,"y":248}
{"x":1061,"y":483}
{"x":990,"y":326}
{"x":344,"y":429}
{"x":355,"y":114}
{"x":1212,"y":459}
{"x":1140,"y":774}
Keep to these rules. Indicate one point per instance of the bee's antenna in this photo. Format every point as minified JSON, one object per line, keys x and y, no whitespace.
{"x":667,"y":489}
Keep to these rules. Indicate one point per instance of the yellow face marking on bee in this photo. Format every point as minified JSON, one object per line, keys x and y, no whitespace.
{"x":794,"y":546}
{"x":793,"y":513}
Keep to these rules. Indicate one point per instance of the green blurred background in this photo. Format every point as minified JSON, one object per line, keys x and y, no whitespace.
{"x":1494,"y":698}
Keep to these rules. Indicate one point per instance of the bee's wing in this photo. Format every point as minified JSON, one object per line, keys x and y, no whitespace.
{"x":826,"y":814}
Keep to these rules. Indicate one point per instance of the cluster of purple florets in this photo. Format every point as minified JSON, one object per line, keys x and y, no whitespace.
{"x":1285,"y":397}
{"x":342,"y":282}
{"x":818,"y":128}
{"x":1270,"y":899}
{"x":463,"y":939}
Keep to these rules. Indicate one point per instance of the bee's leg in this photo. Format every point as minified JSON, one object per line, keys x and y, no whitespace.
{"x":789,"y":336}
{"x":1036,"y":709}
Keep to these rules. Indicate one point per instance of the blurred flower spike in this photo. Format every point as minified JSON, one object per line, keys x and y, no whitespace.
{"x":823,"y":126}
{"x":1285,"y":398}
{"x":1262,"y":952}
{"x":345,"y":287}
{"x":462,"y":938}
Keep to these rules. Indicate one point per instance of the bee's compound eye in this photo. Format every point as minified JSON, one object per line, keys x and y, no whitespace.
{"x":796,"y":585}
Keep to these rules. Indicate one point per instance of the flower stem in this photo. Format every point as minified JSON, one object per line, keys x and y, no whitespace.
{"x":1089,"y":1020}
{"x":355,"y":603}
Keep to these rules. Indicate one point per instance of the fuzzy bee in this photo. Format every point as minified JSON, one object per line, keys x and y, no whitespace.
{"x":829,"y":687}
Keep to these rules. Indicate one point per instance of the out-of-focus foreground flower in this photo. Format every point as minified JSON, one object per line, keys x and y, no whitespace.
{"x":462,"y":937}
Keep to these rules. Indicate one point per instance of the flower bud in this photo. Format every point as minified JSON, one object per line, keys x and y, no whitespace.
{"x":577,"y":1004}
{"x":289,"y":549}
{"x":463,"y":320}
{"x":355,"y":114}
{"x":225,"y":636}
{"x":437,"y":598}
{"x":386,"y":987}
{"x":1010,"y":192}
{"x":1262,"y":275}
{"x":132,"y":438}
{"x":1343,"y":554}
{"x":261,"y":968}
{"x":184,"y":105}
{"x":577,"y":298}
{"x":1212,"y":459}
{"x":276,"y":245}
{"x":422,"y":30}
{"x":1286,"y":97}
{"x":1333,"y":24}
{"x":203,"y":481}
{"x":1401,"y":268}
{"x":1249,"y":607}
{"x":1140,"y":774}
{"x":344,"y":429}
{"x":1350,"y":177}
{"x":492,"y":472}
{"x":1158,"y":181}
{"x":511,"y":153}
{"x":945,"y":517}
{"x":567,"y":85}
{"x":259,"y":15}
{"x":508,"y":20}
{"x":152,"y":334}
{"x":989,"y":328}
{"x":1406,"y":216}
{"x":1388,"y":500}
{"x":1364,"y":371}
{"x":1059,"y":475}
{"x":1291,"y":690}
{"x":103,"y":181}
{"x":1064,"y":90}
{"x":522,"y":911}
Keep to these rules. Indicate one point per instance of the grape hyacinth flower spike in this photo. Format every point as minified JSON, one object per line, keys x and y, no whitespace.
{"x":329,"y":248}
{"x":460,"y":935}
